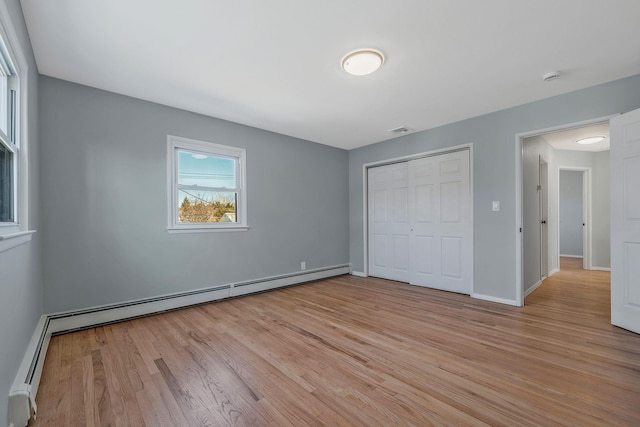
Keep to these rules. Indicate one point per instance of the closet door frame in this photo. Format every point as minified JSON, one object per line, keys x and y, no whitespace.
{"x":365,"y":199}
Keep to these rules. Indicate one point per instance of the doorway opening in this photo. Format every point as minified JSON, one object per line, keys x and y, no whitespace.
{"x":541,"y":157}
{"x":575,"y":225}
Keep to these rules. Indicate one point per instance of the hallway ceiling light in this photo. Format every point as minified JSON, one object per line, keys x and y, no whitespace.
{"x":590,"y":140}
{"x":362,"y":61}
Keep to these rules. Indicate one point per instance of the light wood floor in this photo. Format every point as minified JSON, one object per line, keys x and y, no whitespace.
{"x":355,"y":351}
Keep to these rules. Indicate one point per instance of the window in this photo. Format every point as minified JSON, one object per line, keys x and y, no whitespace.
{"x":8,"y":143}
{"x":7,"y":211}
{"x":12,"y":163}
{"x":206,"y":186}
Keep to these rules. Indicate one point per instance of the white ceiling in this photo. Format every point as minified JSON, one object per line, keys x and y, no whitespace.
{"x":566,"y":139}
{"x":275,"y":64}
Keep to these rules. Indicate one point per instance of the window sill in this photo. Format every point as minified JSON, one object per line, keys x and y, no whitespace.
{"x":206,"y":229}
{"x":10,"y":241}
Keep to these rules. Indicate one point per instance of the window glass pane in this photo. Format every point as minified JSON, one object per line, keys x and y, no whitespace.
{"x":13,"y":116}
{"x":206,"y":206}
{"x":6,"y":184}
{"x":206,"y":171}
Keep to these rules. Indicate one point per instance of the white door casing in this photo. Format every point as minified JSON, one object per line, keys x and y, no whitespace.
{"x":519,"y":279}
{"x":388,"y":222}
{"x":587,"y":188}
{"x":441,"y":236}
{"x":625,"y":221}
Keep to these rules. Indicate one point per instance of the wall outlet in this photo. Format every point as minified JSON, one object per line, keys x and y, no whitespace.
{"x":303,"y":265}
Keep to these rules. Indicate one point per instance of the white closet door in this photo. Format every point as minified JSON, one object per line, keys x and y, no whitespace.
{"x":441,"y":236}
{"x":388,"y":222}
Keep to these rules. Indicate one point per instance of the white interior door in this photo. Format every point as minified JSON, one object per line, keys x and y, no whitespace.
{"x":543,"y":203}
{"x":625,"y":221}
{"x":441,"y":247}
{"x":586,"y":201}
{"x":388,"y":222}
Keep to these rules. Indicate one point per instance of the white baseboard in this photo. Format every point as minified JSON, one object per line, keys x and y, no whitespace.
{"x":22,"y":405}
{"x":554,"y":271}
{"x":601,"y":268}
{"x":495,"y":299}
{"x":252,"y":286}
{"x":533,"y":288}
{"x":571,"y":256}
{"x":358,"y":273}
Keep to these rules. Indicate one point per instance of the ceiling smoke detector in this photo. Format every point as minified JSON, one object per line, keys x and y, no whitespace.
{"x":552,"y":75}
{"x":400,"y":130}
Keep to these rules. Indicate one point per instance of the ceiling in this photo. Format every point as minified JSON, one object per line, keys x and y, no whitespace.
{"x":566,"y":139}
{"x":275,"y":64}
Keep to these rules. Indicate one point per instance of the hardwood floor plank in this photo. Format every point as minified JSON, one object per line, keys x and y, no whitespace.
{"x":125,"y":410}
{"x":167,"y":400}
{"x":187,"y":399}
{"x":356,"y":351}
{"x":144,"y":342}
{"x":280,"y":388}
{"x":65,"y":363}
{"x":91,"y":417}
{"x":48,"y":387}
{"x":101,"y":390}
{"x":79,"y":347}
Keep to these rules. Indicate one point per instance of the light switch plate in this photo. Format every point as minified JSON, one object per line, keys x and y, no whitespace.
{"x":495,"y":206}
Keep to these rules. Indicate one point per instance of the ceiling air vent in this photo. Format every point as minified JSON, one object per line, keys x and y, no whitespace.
{"x":401,"y":130}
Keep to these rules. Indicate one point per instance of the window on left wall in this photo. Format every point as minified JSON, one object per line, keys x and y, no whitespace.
{"x":14,"y":188}
{"x":9,"y":148}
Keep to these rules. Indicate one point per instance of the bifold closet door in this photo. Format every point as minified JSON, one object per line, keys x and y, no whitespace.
{"x":419,"y":219}
{"x":441,"y":231}
{"x":388,"y":222}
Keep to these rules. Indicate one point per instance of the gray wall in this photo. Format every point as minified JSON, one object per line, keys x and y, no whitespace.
{"x":105,"y":210}
{"x":600,"y":222}
{"x":571,"y":213}
{"x":493,"y":136}
{"x":600,"y":210}
{"x":20,"y":267}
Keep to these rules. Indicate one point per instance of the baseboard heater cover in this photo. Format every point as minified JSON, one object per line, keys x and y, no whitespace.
{"x":22,"y":404}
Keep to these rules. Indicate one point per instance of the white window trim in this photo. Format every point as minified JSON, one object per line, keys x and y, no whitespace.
{"x":17,"y":232}
{"x":177,"y":142}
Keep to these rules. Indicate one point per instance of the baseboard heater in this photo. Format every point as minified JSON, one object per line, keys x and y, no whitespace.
{"x":22,"y":404}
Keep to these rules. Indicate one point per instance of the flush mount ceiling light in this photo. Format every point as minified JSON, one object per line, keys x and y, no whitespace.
{"x":590,"y":140}
{"x":551,"y":75}
{"x":400,"y":130}
{"x":362,"y":61}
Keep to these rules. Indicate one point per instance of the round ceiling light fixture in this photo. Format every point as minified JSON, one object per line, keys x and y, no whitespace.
{"x":590,"y":140}
{"x":551,"y":75}
{"x":362,"y":61}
